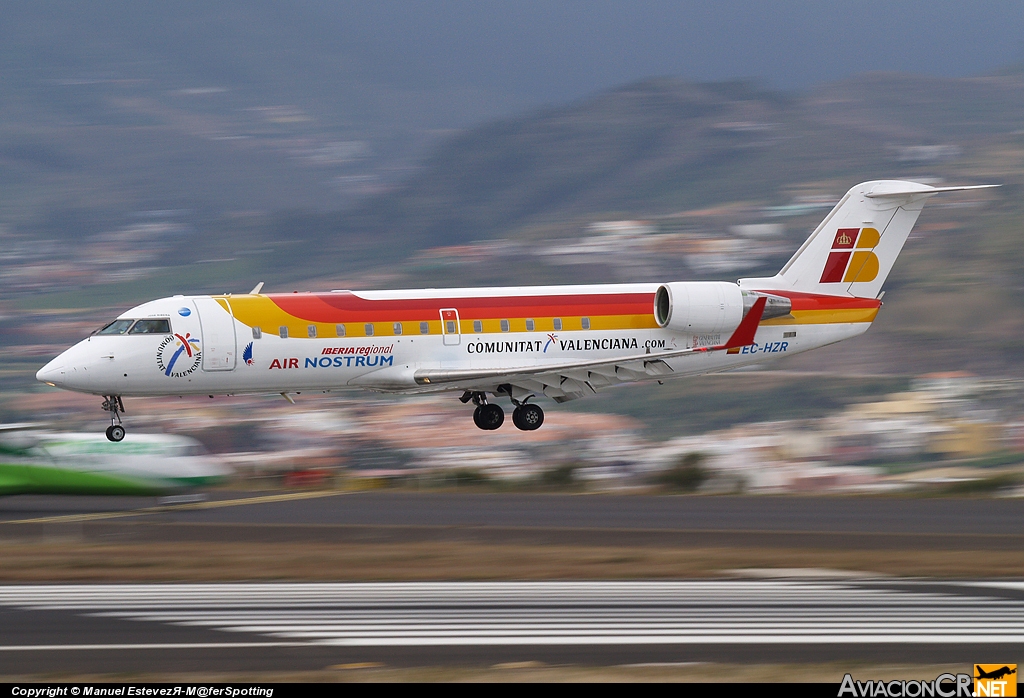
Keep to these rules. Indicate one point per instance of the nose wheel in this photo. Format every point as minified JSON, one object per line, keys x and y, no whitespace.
{"x":113,"y":405}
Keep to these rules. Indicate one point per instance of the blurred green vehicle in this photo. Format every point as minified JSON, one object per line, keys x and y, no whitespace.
{"x":42,"y":462}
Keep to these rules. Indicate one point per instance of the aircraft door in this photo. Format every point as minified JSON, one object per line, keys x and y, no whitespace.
{"x":218,"y":330}
{"x":450,"y":326}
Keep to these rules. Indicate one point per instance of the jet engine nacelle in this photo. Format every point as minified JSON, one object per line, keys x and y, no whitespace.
{"x":710,"y":307}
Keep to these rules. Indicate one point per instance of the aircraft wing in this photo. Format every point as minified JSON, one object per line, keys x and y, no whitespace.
{"x":574,"y":379}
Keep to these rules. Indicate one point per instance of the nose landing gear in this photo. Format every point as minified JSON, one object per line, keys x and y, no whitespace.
{"x":113,"y":405}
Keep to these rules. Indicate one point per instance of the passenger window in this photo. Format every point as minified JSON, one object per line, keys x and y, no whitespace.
{"x":369,"y":329}
{"x":449,"y":326}
{"x":311,"y":330}
{"x":284,"y":332}
{"x":585,"y":323}
{"x":398,"y":328}
{"x":558,"y":323}
{"x":340,"y":330}
{"x":424,"y":328}
{"x":504,"y":325}
{"x":478,"y":326}
{"x":529,"y":325}
{"x":116,"y":327}
{"x":151,"y":327}
{"x":257,"y":333}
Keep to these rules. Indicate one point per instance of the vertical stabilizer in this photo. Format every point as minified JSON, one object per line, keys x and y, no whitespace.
{"x":852,"y":252}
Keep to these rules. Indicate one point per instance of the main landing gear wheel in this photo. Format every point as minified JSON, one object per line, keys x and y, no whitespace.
{"x":115,"y":432}
{"x":489,"y":416}
{"x":528,"y":417}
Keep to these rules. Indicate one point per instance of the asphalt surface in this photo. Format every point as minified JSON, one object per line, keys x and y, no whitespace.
{"x":133,"y":629}
{"x":844,"y":522}
{"x":148,"y":628}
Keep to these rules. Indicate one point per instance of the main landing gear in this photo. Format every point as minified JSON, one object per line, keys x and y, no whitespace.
{"x":489,"y":416}
{"x":528,"y":417}
{"x":113,"y":405}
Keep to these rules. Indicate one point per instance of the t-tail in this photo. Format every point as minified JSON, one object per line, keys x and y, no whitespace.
{"x":852,"y":251}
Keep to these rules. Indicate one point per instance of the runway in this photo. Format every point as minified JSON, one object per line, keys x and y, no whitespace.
{"x":250,"y":627}
{"x":389,"y":516}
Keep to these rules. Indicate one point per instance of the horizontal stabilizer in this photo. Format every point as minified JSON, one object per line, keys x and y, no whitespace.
{"x":887,"y":189}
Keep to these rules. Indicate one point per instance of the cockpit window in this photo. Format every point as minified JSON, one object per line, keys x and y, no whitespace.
{"x":151,"y":327}
{"x":116,"y":327}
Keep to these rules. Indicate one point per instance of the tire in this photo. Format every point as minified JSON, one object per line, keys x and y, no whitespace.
{"x":531,"y":417}
{"x":491,"y":416}
{"x":116,"y":433}
{"x":476,"y":417}
{"x":109,"y":437}
{"x":517,"y":419}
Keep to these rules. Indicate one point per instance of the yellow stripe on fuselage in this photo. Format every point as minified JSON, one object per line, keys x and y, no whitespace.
{"x":824,"y":317}
{"x":259,"y":311}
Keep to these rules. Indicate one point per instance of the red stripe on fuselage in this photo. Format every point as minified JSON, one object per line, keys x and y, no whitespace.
{"x":347,"y":307}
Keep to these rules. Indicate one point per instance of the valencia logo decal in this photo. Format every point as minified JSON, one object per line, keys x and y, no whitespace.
{"x":178,"y":356}
{"x":247,"y":355}
{"x":852,"y":258}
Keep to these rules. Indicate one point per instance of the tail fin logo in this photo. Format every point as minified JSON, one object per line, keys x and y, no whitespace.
{"x":852,"y":258}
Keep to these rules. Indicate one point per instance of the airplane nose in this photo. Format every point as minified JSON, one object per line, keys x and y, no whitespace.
{"x":52,"y":373}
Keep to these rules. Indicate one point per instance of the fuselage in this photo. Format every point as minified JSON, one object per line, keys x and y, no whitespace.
{"x":378,"y":340}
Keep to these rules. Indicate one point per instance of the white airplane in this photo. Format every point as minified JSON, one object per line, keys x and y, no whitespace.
{"x":563,"y":342}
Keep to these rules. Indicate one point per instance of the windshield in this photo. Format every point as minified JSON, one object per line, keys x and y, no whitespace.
{"x":116,"y":327}
{"x":151,"y":327}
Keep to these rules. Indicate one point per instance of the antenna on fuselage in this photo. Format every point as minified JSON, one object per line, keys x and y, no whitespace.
{"x":256,"y":290}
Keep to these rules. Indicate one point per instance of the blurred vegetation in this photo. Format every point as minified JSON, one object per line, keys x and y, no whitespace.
{"x":687,"y":474}
{"x":705,"y":403}
{"x":983,"y":486}
{"x":562,"y":476}
{"x":463,"y":477}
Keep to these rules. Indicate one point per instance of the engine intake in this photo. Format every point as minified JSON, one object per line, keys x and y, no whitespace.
{"x":707,"y":307}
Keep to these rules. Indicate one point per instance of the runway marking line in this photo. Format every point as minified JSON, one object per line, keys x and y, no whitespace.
{"x":219,"y":504}
{"x":489,"y":528}
{"x":357,"y":665}
{"x":151,"y":646}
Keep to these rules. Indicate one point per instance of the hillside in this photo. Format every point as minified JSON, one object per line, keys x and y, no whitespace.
{"x":665,"y":145}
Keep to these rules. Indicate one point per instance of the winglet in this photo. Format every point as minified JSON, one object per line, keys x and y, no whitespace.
{"x":744,"y":334}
